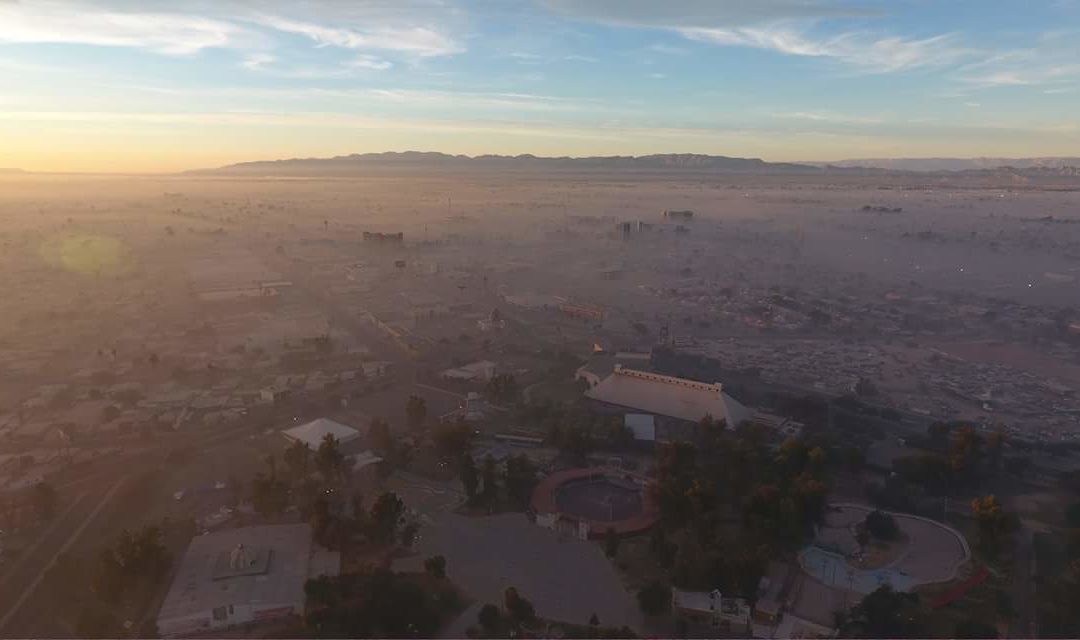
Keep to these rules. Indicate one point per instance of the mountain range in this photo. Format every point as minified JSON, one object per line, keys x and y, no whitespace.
{"x":955,"y":164}
{"x":673,"y":162}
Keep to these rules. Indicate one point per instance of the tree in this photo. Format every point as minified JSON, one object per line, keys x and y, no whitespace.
{"x":385,"y":517}
{"x":611,"y":543}
{"x":964,"y":451}
{"x":975,"y":629}
{"x":409,"y":533}
{"x":374,"y":603}
{"x":862,"y":537}
{"x":269,"y":495}
{"x":435,"y":566}
{"x":489,"y":618}
{"x":885,"y":613}
{"x":470,"y":480}
{"x":992,"y":520}
{"x":503,"y":388}
{"x":654,"y":598}
{"x":521,"y":610}
{"x":881,"y":525}
{"x":490,"y":475}
{"x":415,"y":412}
{"x":379,"y":436}
{"x":44,"y":501}
{"x":865,"y":388}
{"x":96,"y":622}
{"x":329,"y":459}
{"x":296,"y":457}
{"x":452,"y":438}
{"x":594,"y":620}
{"x":520,"y":479}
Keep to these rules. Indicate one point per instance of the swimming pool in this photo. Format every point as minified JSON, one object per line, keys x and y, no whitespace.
{"x":833,"y":570}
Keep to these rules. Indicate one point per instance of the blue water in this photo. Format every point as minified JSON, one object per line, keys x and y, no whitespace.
{"x":833,"y":570}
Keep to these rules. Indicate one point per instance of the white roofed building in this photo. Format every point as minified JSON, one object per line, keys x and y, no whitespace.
{"x":675,"y":398}
{"x":243,"y":576}
{"x":313,"y":433}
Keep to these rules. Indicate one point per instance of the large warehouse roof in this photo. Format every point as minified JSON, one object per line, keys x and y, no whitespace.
{"x":668,"y":396}
{"x":313,"y":432}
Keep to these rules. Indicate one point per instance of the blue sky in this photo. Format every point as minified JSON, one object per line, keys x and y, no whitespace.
{"x":153,"y":85}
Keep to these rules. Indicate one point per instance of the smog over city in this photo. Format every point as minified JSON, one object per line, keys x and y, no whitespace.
{"x":539,"y":318}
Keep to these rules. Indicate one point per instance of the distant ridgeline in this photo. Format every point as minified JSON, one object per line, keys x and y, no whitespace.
{"x":658,"y":163}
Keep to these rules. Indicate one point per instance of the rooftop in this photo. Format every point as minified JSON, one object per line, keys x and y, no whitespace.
{"x":668,"y":396}
{"x":251,"y":565}
{"x":312,"y":433}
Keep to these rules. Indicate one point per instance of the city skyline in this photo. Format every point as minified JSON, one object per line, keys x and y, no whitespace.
{"x":110,"y":85}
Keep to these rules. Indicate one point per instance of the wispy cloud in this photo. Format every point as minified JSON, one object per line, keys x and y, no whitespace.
{"x":66,"y":22}
{"x":829,"y":116}
{"x":667,"y":49}
{"x":863,"y":51}
{"x":1023,"y":75}
{"x":257,"y":61}
{"x":187,"y":28}
{"x":419,"y":41}
{"x":704,"y":13}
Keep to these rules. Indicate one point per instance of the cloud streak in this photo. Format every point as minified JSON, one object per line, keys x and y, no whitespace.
{"x":862,"y":51}
{"x":196,"y":26}
{"x":79,"y":23}
{"x":418,"y":41}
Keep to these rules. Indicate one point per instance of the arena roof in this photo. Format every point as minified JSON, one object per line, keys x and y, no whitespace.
{"x":668,"y":396}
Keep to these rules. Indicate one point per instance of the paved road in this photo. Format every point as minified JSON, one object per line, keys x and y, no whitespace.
{"x":28,"y":576}
{"x":1023,"y":589}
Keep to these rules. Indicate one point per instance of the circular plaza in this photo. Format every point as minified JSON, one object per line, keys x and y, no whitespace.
{"x":598,"y":499}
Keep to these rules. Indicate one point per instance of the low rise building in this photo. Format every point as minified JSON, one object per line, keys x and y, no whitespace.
{"x":243,"y":576}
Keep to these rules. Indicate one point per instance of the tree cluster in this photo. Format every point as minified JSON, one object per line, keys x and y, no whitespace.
{"x":376,"y":603}
{"x":884,"y":613}
{"x":133,"y":560}
{"x":491,"y":485}
{"x":729,"y":504}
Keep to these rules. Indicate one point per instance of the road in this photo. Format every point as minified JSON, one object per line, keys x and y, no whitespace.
{"x":1023,"y":587}
{"x":27,"y":576}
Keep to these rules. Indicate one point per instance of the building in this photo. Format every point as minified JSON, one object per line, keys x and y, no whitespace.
{"x":642,"y":425}
{"x":482,"y":371}
{"x":243,"y":576}
{"x":313,"y":433}
{"x":384,"y":238}
{"x":678,"y":399}
{"x":473,"y":409}
{"x":602,"y":365}
{"x":581,"y":310}
{"x":709,"y":607}
{"x":683,"y":215}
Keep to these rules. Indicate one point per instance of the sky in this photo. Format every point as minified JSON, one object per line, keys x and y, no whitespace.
{"x":158,"y":86}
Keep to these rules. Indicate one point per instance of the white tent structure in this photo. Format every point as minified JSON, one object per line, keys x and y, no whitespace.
{"x":313,"y":433}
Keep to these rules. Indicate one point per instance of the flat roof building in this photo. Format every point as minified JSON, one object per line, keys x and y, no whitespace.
{"x":243,"y":576}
